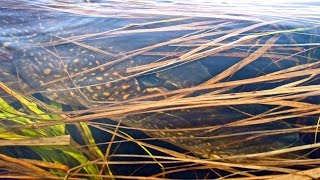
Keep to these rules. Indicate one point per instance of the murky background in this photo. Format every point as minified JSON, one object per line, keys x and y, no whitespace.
{"x":218,"y":81}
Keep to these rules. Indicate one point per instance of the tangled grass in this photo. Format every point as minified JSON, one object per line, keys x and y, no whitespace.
{"x":290,"y":92}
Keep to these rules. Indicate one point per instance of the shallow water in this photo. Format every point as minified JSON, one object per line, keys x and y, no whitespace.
{"x":101,"y":57}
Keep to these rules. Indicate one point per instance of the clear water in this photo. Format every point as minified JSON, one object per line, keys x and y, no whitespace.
{"x":87,"y":55}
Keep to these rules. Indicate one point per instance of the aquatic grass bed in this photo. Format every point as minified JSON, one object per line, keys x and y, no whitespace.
{"x":51,"y":144}
{"x":162,"y":90}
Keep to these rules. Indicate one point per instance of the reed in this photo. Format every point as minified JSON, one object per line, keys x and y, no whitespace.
{"x":257,"y":118}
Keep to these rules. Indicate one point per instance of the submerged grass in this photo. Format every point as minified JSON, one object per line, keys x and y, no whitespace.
{"x":42,"y":129}
{"x":51,"y":144}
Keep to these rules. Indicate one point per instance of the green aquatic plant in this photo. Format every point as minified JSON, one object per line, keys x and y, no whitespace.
{"x":52,"y":143}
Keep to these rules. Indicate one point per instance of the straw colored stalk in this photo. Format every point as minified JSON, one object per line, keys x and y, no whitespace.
{"x":282,"y":96}
{"x":25,"y":165}
{"x":41,"y":141}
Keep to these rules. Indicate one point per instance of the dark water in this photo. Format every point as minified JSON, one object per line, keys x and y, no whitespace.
{"x":77,"y":56}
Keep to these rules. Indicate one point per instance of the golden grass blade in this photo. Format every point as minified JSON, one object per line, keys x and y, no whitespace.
{"x":41,"y":141}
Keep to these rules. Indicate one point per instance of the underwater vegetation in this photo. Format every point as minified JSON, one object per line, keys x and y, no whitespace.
{"x":159,"y":90}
